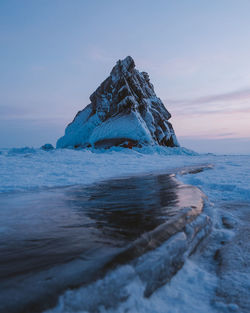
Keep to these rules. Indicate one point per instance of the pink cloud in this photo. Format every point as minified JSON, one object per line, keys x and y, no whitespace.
{"x":235,"y":101}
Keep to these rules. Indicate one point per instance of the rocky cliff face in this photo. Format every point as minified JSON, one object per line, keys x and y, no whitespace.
{"x":124,"y":110}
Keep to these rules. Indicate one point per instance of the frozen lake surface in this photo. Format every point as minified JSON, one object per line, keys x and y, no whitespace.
{"x":64,"y":224}
{"x":89,"y":227}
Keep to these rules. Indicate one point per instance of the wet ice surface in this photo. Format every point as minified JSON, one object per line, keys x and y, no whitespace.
{"x":84,"y":227}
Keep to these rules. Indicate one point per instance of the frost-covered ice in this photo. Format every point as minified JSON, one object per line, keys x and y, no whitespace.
{"x":28,"y":168}
{"x":214,"y":279}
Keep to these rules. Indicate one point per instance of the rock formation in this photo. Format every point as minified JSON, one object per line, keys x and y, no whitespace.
{"x":47,"y":147}
{"x":124,"y":111}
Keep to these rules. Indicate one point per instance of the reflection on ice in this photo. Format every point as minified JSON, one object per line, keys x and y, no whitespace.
{"x":44,"y":233}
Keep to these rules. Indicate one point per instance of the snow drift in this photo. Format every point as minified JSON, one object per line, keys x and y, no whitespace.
{"x":124,"y":111}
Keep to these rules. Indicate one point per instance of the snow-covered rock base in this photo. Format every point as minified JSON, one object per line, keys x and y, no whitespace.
{"x":124,"y":110}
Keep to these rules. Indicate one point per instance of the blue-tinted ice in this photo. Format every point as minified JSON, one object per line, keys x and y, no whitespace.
{"x":64,"y":237}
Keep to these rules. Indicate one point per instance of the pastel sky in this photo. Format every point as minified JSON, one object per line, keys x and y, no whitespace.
{"x":55,"y":53}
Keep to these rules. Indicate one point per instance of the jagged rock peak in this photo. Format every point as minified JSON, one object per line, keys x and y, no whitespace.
{"x":124,"y":110}
{"x":123,"y":67}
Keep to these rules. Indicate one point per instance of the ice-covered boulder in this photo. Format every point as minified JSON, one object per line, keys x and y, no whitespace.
{"x":124,"y":110}
{"x":47,"y":147}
